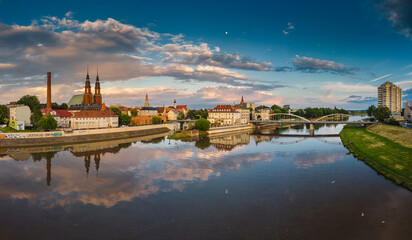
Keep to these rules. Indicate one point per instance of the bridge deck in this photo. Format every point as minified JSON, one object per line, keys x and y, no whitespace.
{"x":311,"y":122}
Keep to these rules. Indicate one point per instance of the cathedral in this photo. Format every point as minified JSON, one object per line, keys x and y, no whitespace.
{"x":88,"y":100}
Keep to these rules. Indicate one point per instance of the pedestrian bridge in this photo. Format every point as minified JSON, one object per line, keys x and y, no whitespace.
{"x":289,"y":118}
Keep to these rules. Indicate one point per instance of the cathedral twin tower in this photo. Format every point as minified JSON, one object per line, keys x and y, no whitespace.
{"x":88,"y":97}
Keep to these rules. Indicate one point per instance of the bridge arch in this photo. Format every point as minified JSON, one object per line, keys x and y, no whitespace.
{"x":287,"y":114}
{"x":338,"y":114}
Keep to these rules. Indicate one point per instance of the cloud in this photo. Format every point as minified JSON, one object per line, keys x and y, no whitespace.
{"x":65,"y":46}
{"x":288,"y":29}
{"x":313,"y":65}
{"x":360,"y":99}
{"x":399,"y":12}
{"x":379,"y":78}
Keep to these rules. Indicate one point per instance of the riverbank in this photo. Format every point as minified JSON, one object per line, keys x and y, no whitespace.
{"x":387,"y":149}
{"x":22,"y":139}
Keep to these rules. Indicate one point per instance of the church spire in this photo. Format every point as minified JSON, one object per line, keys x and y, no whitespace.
{"x":242,"y":102}
{"x":97,"y":95}
{"x":146,"y":102}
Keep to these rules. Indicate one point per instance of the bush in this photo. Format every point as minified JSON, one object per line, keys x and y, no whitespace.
{"x":47,"y":122}
{"x":125,"y":119}
{"x":381,"y":113}
{"x":202,"y":124}
{"x":156,"y":120}
{"x":392,"y":121}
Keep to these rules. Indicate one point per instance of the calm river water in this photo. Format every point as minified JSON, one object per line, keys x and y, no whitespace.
{"x":238,"y":186}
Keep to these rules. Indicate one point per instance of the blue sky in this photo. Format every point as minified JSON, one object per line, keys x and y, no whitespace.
{"x":302,"y":53}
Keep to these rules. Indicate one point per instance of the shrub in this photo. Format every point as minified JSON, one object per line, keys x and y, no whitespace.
{"x":125,"y":119}
{"x":381,"y":113}
{"x":392,"y":121}
{"x":156,"y":120}
{"x":202,"y":124}
{"x":47,"y":122}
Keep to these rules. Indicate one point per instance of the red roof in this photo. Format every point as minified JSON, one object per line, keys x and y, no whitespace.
{"x":59,"y":113}
{"x":94,"y":113}
{"x":180,"y":107}
{"x":223,"y":108}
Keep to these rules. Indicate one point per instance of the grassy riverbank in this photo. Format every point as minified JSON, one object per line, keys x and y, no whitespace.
{"x":12,"y":130}
{"x":385,"y":148}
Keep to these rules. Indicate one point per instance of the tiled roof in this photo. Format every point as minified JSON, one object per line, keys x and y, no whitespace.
{"x":223,"y":108}
{"x":94,"y":113}
{"x":59,"y":113}
{"x":181,"y":107}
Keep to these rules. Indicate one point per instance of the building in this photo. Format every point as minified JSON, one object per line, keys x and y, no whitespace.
{"x":63,"y":117}
{"x":223,"y":115}
{"x":147,"y":113}
{"x":87,"y":100}
{"x":94,"y":119}
{"x":390,"y":95}
{"x":407,"y":115}
{"x":172,"y":115}
{"x":244,"y":115}
{"x":19,"y":113}
{"x":244,"y":104}
{"x":263,"y":114}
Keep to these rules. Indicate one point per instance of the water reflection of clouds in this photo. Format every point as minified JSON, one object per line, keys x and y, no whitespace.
{"x":132,"y":172}
{"x":309,"y":159}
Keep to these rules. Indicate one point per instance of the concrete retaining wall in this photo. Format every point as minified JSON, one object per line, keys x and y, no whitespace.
{"x":58,"y":137}
{"x":222,"y":130}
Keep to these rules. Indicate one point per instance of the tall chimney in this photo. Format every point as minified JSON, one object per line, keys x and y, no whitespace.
{"x":48,"y":91}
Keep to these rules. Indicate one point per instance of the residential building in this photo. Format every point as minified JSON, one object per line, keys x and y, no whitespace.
{"x":244,"y":115}
{"x":94,"y":119}
{"x":63,"y":117}
{"x":172,"y":115}
{"x":224,"y":115}
{"x":407,"y":115}
{"x":19,"y":112}
{"x":183,"y":109}
{"x":390,"y":95}
{"x":263,"y":114}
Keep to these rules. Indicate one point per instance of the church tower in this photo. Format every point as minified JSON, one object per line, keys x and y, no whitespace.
{"x":174,"y":104}
{"x":97,"y":95}
{"x":88,"y":96}
{"x":146,"y":102}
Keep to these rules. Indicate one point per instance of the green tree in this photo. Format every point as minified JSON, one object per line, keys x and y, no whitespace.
{"x":381,"y":113}
{"x":64,"y":106}
{"x":370,"y":110}
{"x":203,"y":143}
{"x":300,"y":112}
{"x":3,"y":113}
{"x":125,"y":119}
{"x":277,"y":111}
{"x":116,"y":111}
{"x":134,"y":112}
{"x":180,"y":116}
{"x":202,"y":124}
{"x":156,"y":120}
{"x":31,"y":101}
{"x":204,"y":114}
{"x":35,"y":117}
{"x":261,"y":107}
{"x":47,"y":122}
{"x":274,"y":106}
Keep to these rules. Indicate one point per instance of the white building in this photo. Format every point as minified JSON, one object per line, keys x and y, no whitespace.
{"x":263,"y":113}
{"x":172,"y":115}
{"x":244,"y":115}
{"x":94,"y":119}
{"x":63,"y":117}
{"x":224,"y":115}
{"x":19,"y":113}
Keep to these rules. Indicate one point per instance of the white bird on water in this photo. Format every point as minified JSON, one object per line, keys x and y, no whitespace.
{"x":362,"y":214}
{"x":226,"y":191}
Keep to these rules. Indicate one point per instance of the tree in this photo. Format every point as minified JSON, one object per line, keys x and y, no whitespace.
{"x":202,"y":124}
{"x":35,"y":117}
{"x":392,"y":121}
{"x":300,"y":112}
{"x":116,"y":111}
{"x":274,"y":106}
{"x":180,"y":116}
{"x":277,"y":111}
{"x":382,"y":113}
{"x":64,"y":106}
{"x":47,"y":122}
{"x":57,"y":106}
{"x":31,"y":101}
{"x":203,"y":143}
{"x":134,"y":112}
{"x":261,"y":107}
{"x":125,"y":119}
{"x":3,"y":113}
{"x":370,"y":110}
{"x":156,"y":120}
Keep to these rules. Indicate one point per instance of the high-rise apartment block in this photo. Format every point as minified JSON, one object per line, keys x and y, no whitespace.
{"x":390,"y":95}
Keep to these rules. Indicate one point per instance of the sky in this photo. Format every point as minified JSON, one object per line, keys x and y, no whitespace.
{"x":202,"y":53}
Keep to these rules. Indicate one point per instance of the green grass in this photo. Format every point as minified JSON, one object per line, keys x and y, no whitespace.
{"x":12,"y":130}
{"x":387,"y":157}
{"x":177,"y":136}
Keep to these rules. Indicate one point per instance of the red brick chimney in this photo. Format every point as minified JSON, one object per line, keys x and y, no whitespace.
{"x":48,"y":91}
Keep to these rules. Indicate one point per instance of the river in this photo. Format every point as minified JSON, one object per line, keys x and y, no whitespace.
{"x":237,"y":186}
